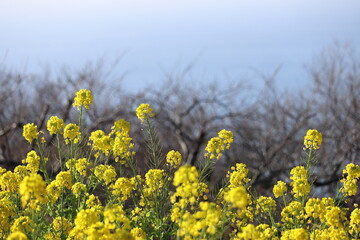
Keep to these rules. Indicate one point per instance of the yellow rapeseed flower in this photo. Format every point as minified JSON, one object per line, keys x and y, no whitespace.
{"x":300,"y":184}
{"x":30,"y":132}
{"x":21,"y":171}
{"x":54,"y":125}
{"x":101,"y":142}
{"x":78,"y":188}
{"x":22,"y":224}
{"x":188,"y":187}
{"x":202,"y":223}
{"x":293,"y":214}
{"x":7,"y":210}
{"x":351,"y":176}
{"x":144,"y":111}
{"x":266,"y":232}
{"x":279,"y":189}
{"x":123,"y":188}
{"x":154,"y":179}
{"x":64,"y":180}
{"x":237,"y":197}
{"x":334,"y":217}
{"x":121,"y":125}
{"x":83,"y":98}
{"x":72,"y":133}
{"x":297,"y":233}
{"x":355,"y":221}
{"x":173,"y":158}
{"x":330,"y":233}
{"x":315,"y":208}
{"x":61,"y":224}
{"x":54,"y":191}
{"x":105,"y":173}
{"x":84,"y":219}
{"x":33,"y":161}
{"x":115,"y":215}
{"x":217,"y":145}
{"x":122,"y":147}
{"x":265,"y":205}
{"x":312,"y":139}
{"x":9,"y":181}
{"x":248,"y":232}
{"x":17,"y":236}
{"x":81,"y":166}
{"x":185,"y":174}
{"x":238,"y":175}
{"x":32,"y":187}
{"x":138,"y":233}
{"x":93,"y":201}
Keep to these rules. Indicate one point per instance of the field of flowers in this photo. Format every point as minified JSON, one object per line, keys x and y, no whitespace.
{"x":99,"y":193}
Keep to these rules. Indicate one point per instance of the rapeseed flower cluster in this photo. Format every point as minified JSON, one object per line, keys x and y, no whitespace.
{"x":144,"y":111}
{"x":81,"y":166}
{"x":33,"y":162}
{"x":72,"y":133}
{"x":101,"y":142}
{"x":122,"y":148}
{"x":154,"y":179}
{"x":312,"y":139}
{"x":123,"y":188}
{"x":60,"y":227}
{"x":105,"y":173}
{"x":98,"y":192}
{"x":217,"y":145}
{"x":55,"y":125}
{"x":297,"y":233}
{"x":265,"y":205}
{"x":236,"y":193}
{"x":84,"y":98}
{"x":279,"y":189}
{"x":117,"y":143}
{"x":9,"y":181}
{"x":293,"y":214}
{"x":352,"y":175}
{"x":261,"y":232}
{"x":300,"y":184}
{"x":174,"y":158}
{"x":30,"y":132}
{"x":188,"y":187}
{"x":355,"y":221}
{"x":315,"y":208}
{"x":17,"y":236}
{"x":204,"y":222}
{"x":78,"y":189}
{"x":237,"y":198}
{"x":22,"y":224}
{"x":7,"y":209}
{"x":32,"y":190}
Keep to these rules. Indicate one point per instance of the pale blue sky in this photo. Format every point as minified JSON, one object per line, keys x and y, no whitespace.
{"x":225,"y":38}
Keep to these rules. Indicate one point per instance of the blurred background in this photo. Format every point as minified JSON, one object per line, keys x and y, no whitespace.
{"x":267,"y":70}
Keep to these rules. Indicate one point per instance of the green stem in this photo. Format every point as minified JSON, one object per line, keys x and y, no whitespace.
{"x":203,"y":171}
{"x":153,"y":146}
{"x":80,"y":117}
{"x":42,"y":163}
{"x":132,"y":164}
{"x":308,"y":161}
{"x":59,"y":151}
